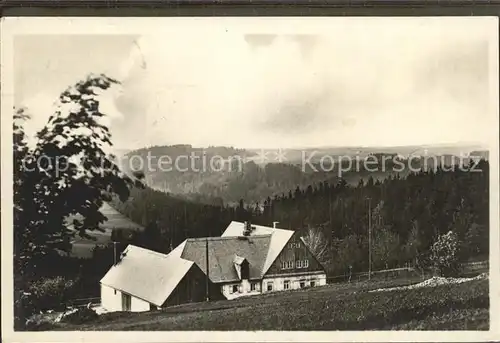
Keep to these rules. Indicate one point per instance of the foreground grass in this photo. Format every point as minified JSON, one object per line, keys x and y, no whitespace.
{"x":333,"y":307}
{"x":464,"y":319}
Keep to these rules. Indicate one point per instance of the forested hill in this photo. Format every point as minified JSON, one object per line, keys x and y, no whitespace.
{"x":408,"y":213}
{"x":187,"y":171}
{"x":196,"y":174}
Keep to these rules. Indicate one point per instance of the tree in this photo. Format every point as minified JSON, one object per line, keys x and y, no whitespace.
{"x":23,"y":204}
{"x":68,"y":175}
{"x":413,"y":245}
{"x":385,"y":245}
{"x":385,"y":248}
{"x":476,"y":242}
{"x":348,"y":252}
{"x":317,"y":243}
{"x":151,"y":238}
{"x":445,"y":254}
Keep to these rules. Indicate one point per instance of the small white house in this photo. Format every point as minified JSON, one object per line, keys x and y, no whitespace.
{"x":145,"y":280}
{"x":246,"y":260}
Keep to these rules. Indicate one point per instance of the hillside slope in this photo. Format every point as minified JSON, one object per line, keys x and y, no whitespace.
{"x":333,"y":307}
{"x":82,"y":247}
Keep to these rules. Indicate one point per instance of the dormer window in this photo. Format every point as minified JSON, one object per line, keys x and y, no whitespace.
{"x":245,"y":272}
{"x":242,"y":267}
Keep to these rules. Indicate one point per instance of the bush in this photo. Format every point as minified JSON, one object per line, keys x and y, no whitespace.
{"x":23,"y":309}
{"x":80,"y":316}
{"x":50,"y":294}
{"x":39,"y":296}
{"x":38,"y":325}
{"x":445,"y":254}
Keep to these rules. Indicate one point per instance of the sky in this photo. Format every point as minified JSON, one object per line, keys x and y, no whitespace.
{"x":377,"y":83}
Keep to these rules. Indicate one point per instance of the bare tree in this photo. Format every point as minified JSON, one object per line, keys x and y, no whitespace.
{"x":317,"y":243}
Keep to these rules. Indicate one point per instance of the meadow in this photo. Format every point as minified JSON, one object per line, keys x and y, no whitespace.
{"x":345,"y":306}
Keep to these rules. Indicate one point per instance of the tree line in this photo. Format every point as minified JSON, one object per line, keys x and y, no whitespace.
{"x":406,"y":214}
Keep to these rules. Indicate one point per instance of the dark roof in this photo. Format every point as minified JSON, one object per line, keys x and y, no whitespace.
{"x":279,"y":238}
{"x":222,"y":252}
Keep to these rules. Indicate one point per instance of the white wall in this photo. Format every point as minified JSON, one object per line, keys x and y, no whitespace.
{"x":243,"y":286}
{"x":138,"y":305}
{"x":278,"y":284}
{"x":279,"y":281}
{"x":111,"y":300}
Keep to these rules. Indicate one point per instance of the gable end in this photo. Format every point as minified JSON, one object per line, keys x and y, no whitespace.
{"x":295,"y":257}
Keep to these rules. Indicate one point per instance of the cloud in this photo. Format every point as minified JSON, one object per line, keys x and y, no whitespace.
{"x":41,"y":74}
{"x":39,"y":107}
{"x":44,"y":104}
{"x":385,"y":82}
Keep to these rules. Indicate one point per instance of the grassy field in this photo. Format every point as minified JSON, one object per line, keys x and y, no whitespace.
{"x":334,"y":307}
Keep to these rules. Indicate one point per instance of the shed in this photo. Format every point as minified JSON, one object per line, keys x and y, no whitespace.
{"x":143,"y":280}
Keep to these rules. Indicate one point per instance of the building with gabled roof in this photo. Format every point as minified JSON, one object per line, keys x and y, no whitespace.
{"x":289,"y":263}
{"x":143,"y":280}
{"x":246,"y":260}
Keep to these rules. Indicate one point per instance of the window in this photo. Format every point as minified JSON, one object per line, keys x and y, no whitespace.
{"x":235,"y":289}
{"x":253,"y":286}
{"x":126,"y":302}
{"x":294,"y":245}
{"x":313,"y":283}
{"x":269,"y":286}
{"x":287,"y":265}
{"x":302,"y":284}
{"x":286,"y":284}
{"x":302,"y":263}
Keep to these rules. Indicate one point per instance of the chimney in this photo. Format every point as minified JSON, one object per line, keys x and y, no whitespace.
{"x":274,"y":224}
{"x":247,"y":229}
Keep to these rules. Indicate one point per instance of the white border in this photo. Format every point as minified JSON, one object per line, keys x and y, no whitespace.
{"x":282,"y":25}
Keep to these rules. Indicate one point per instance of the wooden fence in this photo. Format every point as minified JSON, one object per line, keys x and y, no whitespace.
{"x":476,"y":265}
{"x":376,"y":274}
{"x":407,"y":271}
{"x":83,"y":302}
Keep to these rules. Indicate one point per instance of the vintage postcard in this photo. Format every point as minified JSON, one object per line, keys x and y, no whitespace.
{"x":250,"y":179}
